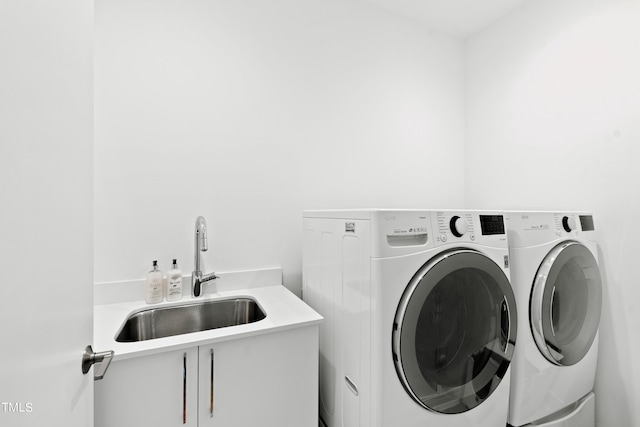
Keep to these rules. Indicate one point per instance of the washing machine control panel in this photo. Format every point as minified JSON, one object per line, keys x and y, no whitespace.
{"x":404,"y":231}
{"x":469,"y":226}
{"x":454,"y":226}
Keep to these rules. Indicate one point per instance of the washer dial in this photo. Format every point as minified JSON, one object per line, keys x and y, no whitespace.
{"x":458,"y":226}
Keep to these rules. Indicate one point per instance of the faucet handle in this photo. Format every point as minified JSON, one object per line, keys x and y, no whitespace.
{"x":198,"y":279}
{"x":208,"y":277}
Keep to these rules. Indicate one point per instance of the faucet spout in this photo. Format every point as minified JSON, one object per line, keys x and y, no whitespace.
{"x":201,"y":245}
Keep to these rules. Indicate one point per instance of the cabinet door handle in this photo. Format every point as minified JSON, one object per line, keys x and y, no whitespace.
{"x":211,"y":387}
{"x":184,"y":388}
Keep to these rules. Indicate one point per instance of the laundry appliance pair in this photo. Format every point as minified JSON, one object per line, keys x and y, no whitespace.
{"x":421,"y":318}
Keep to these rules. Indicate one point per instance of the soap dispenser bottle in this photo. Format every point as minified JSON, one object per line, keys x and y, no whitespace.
{"x":153,"y":292}
{"x":174,"y":283}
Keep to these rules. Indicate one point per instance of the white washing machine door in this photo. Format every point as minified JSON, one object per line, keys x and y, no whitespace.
{"x":566,"y":301}
{"x":454,"y":331}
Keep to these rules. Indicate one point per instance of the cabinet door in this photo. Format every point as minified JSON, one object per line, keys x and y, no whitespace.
{"x":266,"y":380}
{"x":159,"y":390}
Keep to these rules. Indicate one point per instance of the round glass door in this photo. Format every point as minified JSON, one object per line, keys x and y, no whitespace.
{"x":454,"y":331}
{"x":566,"y":301}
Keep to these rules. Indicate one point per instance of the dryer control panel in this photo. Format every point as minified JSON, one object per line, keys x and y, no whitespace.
{"x":538,"y":227}
{"x":586,"y":222}
{"x":572,"y":223}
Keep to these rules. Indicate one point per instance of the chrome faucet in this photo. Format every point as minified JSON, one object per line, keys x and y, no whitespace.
{"x":197,"y":278}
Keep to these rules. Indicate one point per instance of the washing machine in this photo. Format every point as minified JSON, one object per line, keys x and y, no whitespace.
{"x":558,"y":289}
{"x":420,"y":318}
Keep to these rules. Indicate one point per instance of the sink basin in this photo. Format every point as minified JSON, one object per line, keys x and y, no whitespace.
{"x":180,"y":319}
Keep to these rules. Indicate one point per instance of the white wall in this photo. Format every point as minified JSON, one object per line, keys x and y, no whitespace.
{"x":46,"y":215}
{"x":249,"y":112}
{"x":553,"y":122}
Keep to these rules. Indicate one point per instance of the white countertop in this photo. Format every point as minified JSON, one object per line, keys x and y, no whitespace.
{"x":283,"y":311}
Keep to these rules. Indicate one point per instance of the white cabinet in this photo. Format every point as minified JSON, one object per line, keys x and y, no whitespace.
{"x":159,"y":390}
{"x":266,"y":380}
{"x":269,"y":379}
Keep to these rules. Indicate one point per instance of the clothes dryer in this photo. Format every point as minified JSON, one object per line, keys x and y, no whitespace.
{"x":558,"y":289}
{"x":420,"y":318}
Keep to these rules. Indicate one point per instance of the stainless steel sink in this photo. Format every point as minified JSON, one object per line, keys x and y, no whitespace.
{"x":180,"y":319}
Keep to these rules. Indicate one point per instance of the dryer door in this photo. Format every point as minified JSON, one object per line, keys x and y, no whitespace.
{"x":454,"y":331}
{"x":565,"y":305}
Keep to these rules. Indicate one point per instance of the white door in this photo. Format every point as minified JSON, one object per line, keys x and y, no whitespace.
{"x":265,"y":380}
{"x":160,"y":390}
{"x":46,"y":212}
{"x":455,"y":331}
{"x":566,"y":302}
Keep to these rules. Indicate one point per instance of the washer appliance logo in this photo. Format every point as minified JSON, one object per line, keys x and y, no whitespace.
{"x":350,"y":227}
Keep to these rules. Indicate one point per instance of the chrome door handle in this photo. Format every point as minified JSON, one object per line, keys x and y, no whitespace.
{"x":102,"y":359}
{"x":184,"y":388}
{"x":505,"y":306}
{"x":553,"y":295}
{"x":211,"y":400}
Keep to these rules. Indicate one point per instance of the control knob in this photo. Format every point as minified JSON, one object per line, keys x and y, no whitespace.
{"x":569,"y":224}
{"x":458,"y":226}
